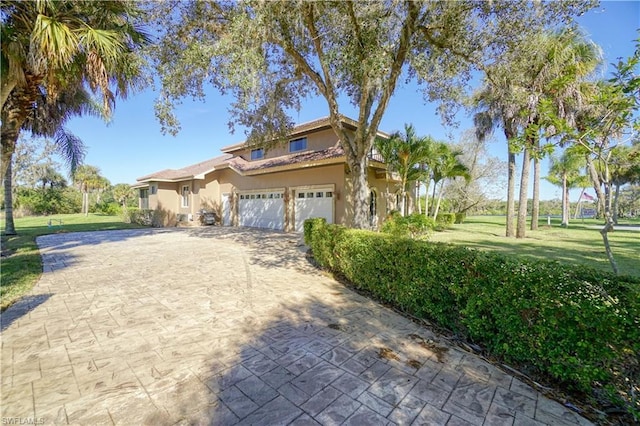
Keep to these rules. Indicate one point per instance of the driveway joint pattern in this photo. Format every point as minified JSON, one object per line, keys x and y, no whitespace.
{"x":230,"y":326}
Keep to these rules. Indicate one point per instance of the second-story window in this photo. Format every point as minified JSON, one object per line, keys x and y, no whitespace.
{"x":257,"y":154}
{"x":298,"y":145}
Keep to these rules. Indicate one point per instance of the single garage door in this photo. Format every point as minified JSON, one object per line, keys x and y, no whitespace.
{"x":262,"y":210}
{"x":313,"y":203}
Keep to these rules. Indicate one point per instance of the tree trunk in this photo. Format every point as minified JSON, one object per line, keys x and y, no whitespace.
{"x":616,"y":204}
{"x":608,"y":227}
{"x":565,"y":201}
{"x":433,"y":196}
{"x":524,"y":192}
{"x":597,"y":184}
{"x":360,"y":194}
{"x":418,"y":197}
{"x":10,"y":228}
{"x":535,"y":208}
{"x":426,"y":197}
{"x":435,"y":212}
{"x":511,"y":194}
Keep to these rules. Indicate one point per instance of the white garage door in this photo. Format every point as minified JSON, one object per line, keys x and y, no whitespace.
{"x":313,"y":203}
{"x":262,"y":210}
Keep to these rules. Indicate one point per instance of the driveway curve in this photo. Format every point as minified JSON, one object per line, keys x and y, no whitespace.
{"x":231,"y":326}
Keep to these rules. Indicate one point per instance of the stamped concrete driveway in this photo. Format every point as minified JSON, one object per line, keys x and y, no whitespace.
{"x":231,"y":326}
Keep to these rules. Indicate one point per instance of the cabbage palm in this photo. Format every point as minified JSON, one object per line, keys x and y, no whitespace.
{"x":52,"y":47}
{"x":448,"y":166}
{"x":53,"y":52}
{"x":545,"y":72}
{"x":87,"y":179}
{"x":564,"y":171}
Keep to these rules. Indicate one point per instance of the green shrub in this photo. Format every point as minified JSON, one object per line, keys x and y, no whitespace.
{"x":445,"y":220}
{"x":460,"y":217}
{"x":414,"y":226}
{"x":309,"y":225}
{"x":136,"y":215}
{"x":577,"y":325}
{"x":108,"y":208}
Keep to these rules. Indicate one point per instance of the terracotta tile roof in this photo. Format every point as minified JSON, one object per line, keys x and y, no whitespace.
{"x":189,"y":171}
{"x":243,"y":165}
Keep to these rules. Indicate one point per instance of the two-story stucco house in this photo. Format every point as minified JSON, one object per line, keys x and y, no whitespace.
{"x":277,"y":188}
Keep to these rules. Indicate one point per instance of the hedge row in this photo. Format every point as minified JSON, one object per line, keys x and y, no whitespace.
{"x":576,"y":324}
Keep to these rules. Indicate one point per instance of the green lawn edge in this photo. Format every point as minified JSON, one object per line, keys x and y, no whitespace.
{"x":21,"y":263}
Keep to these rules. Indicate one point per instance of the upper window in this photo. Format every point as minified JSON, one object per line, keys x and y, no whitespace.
{"x":154,"y":189}
{"x":185,"y":196}
{"x":298,"y":145}
{"x":257,"y":154}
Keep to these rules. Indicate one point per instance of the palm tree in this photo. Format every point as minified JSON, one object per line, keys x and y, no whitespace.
{"x":53,"y":51}
{"x":568,"y":58}
{"x":448,"y":166}
{"x":496,"y":106}
{"x":546,"y":71}
{"x":564,"y":171}
{"x":123,"y":193}
{"x":411,"y":152}
{"x":87,"y":179}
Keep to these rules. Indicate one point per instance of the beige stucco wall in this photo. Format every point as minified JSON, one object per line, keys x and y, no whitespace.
{"x":207,"y":194}
{"x":315,"y":141}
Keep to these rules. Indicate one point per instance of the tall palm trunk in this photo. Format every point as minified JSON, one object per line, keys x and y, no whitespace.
{"x":435,"y":186}
{"x":426,"y":197}
{"x":535,"y":208}
{"x":435,"y":211}
{"x":10,"y":228}
{"x":524,"y":192}
{"x":509,"y":134}
{"x":565,"y":201}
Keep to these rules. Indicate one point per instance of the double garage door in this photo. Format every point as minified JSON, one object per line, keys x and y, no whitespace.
{"x":266,"y":209}
{"x":262,"y":210}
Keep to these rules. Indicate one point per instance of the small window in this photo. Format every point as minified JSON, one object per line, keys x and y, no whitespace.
{"x":277,"y":195}
{"x":241,"y":197}
{"x":270,"y":196}
{"x":264,"y":196}
{"x":329,"y":194}
{"x":319,"y":194}
{"x":185,"y":196}
{"x":300,"y":194}
{"x":298,"y":145}
{"x":309,"y":194}
{"x":252,"y":196}
{"x":257,"y":154}
{"x":154,"y":189}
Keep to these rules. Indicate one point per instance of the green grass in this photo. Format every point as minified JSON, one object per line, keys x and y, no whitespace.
{"x":21,"y":262}
{"x":580,"y":243}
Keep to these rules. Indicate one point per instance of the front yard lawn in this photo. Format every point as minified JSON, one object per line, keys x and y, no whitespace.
{"x":21,"y":262}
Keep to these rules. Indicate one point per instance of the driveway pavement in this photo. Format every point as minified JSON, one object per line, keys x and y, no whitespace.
{"x":231,"y":326}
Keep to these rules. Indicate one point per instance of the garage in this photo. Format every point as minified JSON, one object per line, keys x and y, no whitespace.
{"x":261,"y":210}
{"x":313,"y":203}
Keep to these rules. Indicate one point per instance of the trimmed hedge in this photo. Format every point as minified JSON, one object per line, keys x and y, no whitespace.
{"x":575,"y":324}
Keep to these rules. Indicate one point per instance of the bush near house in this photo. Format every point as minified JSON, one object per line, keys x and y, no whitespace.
{"x":415,"y":225}
{"x":575,"y":324}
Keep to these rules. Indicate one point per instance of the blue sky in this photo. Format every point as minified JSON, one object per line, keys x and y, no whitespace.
{"x":131,"y":145}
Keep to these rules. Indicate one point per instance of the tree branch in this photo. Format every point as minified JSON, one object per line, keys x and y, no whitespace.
{"x":408,"y":29}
